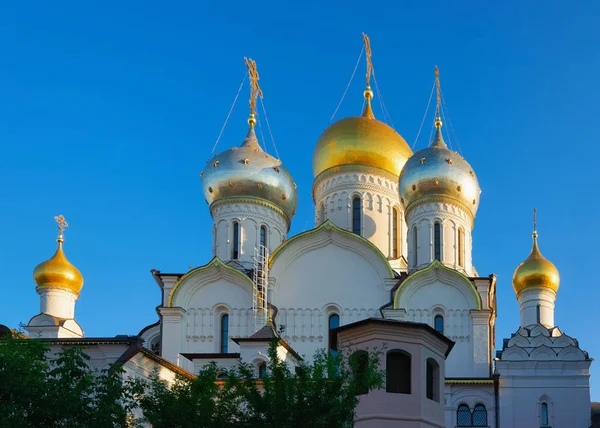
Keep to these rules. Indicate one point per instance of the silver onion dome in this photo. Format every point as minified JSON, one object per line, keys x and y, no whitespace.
{"x":439,"y":173}
{"x":247,"y":172}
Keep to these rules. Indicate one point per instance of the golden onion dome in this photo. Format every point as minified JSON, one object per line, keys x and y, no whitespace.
{"x":536,"y":271}
{"x":361,"y":140}
{"x":248,"y":172}
{"x":58,"y":272}
{"x":438,"y":172}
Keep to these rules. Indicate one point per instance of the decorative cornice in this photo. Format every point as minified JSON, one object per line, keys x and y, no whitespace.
{"x":437,"y":265}
{"x":353,"y":169}
{"x":469,"y":381}
{"x":442,"y":199}
{"x":250,"y":200}
{"x":328,"y":225}
{"x":215,"y":263}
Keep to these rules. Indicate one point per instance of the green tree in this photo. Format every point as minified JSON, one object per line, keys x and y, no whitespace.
{"x":323,"y":393}
{"x":36,"y":391}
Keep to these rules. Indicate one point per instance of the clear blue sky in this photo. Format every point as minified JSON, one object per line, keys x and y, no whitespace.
{"x":109,"y":110}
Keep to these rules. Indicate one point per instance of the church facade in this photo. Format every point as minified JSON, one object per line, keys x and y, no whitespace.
{"x":389,"y":262}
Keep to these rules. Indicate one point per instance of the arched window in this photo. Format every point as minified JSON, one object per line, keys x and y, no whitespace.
{"x":398,"y":372}
{"x":480,"y":418}
{"x":263,"y":236}
{"x":356,"y":212}
{"x":433,"y":380}
{"x":463,"y":416}
{"x":262,"y":370}
{"x":537,"y":313}
{"x":395,"y":233}
{"x":322,"y":216}
{"x":155,"y":345}
{"x":224,"y":333}
{"x":438,"y":324}
{"x":358,"y":364}
{"x":544,"y":419}
{"x":461,"y":245}
{"x":414,"y":252}
{"x":334,"y":322}
{"x":235,"y":253}
{"x":437,"y":232}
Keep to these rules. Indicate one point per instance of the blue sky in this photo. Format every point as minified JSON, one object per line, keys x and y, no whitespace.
{"x":109,"y":110}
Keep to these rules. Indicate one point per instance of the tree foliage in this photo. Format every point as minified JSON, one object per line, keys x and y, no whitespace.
{"x":63,"y":392}
{"x":323,"y":393}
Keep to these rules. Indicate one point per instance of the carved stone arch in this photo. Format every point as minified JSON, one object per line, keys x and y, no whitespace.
{"x":368,"y":201}
{"x":543,"y":353}
{"x":195,"y":279}
{"x":436,"y":271}
{"x":571,"y":353}
{"x":515,"y":353}
{"x":471,"y":397}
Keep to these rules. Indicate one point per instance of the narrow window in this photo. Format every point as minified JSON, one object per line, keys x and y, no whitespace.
{"x":236,"y":241}
{"x":356,"y":208}
{"x":461,"y":243}
{"x":480,"y":418}
{"x":414,"y":252}
{"x":262,"y":370}
{"x":334,"y":322}
{"x":358,"y":363}
{"x":398,"y":372}
{"x":463,"y":416}
{"x":322,"y":212}
{"x":438,"y":324}
{"x":544,"y":415}
{"x":224,"y":333}
{"x":263,"y":236}
{"x":437,"y":241}
{"x":433,"y":380}
{"x":537,"y":313}
{"x":395,"y":233}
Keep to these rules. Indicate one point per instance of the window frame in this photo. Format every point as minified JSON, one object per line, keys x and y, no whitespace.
{"x":464,"y":410}
{"x":395,"y":216}
{"x":332,"y":344}
{"x":357,"y":215}
{"x":435,"y":321}
{"x":437,"y":241}
{"x":481,"y":410}
{"x":544,"y":405}
{"x":398,"y":384}
{"x":235,"y":250}
{"x":224,"y":333}
{"x":432,"y":380}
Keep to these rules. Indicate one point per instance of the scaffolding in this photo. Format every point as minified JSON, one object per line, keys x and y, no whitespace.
{"x":261,"y":285}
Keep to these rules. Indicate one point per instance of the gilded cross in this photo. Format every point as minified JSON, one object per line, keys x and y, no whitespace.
{"x":534,"y":219}
{"x":368,"y":53}
{"x":62,"y":223}
{"x":255,"y":90}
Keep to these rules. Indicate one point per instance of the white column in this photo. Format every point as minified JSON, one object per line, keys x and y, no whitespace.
{"x":57,"y":302}
{"x":172,"y":330}
{"x":532,"y":298}
{"x":481,"y":342}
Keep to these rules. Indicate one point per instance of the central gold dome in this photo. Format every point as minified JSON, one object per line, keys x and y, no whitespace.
{"x":361,"y":140}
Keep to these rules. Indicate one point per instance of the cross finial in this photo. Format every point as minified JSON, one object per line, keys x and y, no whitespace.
{"x":255,"y":90}
{"x":368,"y":53}
{"x":438,"y":120}
{"x":62,"y":225}
{"x":534,"y":223}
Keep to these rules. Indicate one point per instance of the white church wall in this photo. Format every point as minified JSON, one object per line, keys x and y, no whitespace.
{"x":470,"y":394}
{"x":311,"y":281}
{"x":379,"y":196}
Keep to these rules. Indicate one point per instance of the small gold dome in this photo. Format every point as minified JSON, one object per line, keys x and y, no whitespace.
{"x":57,"y":272}
{"x":361,"y":140}
{"x":438,"y":172}
{"x":536,"y":271}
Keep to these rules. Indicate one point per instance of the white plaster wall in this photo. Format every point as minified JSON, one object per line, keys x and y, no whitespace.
{"x":201,"y":323}
{"x":568,"y":396}
{"x":452,"y":218}
{"x":310,"y":286}
{"x":57,"y":302}
{"x":250,"y":216}
{"x":471,"y":395}
{"x":529,"y":299}
{"x":379,"y":197}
